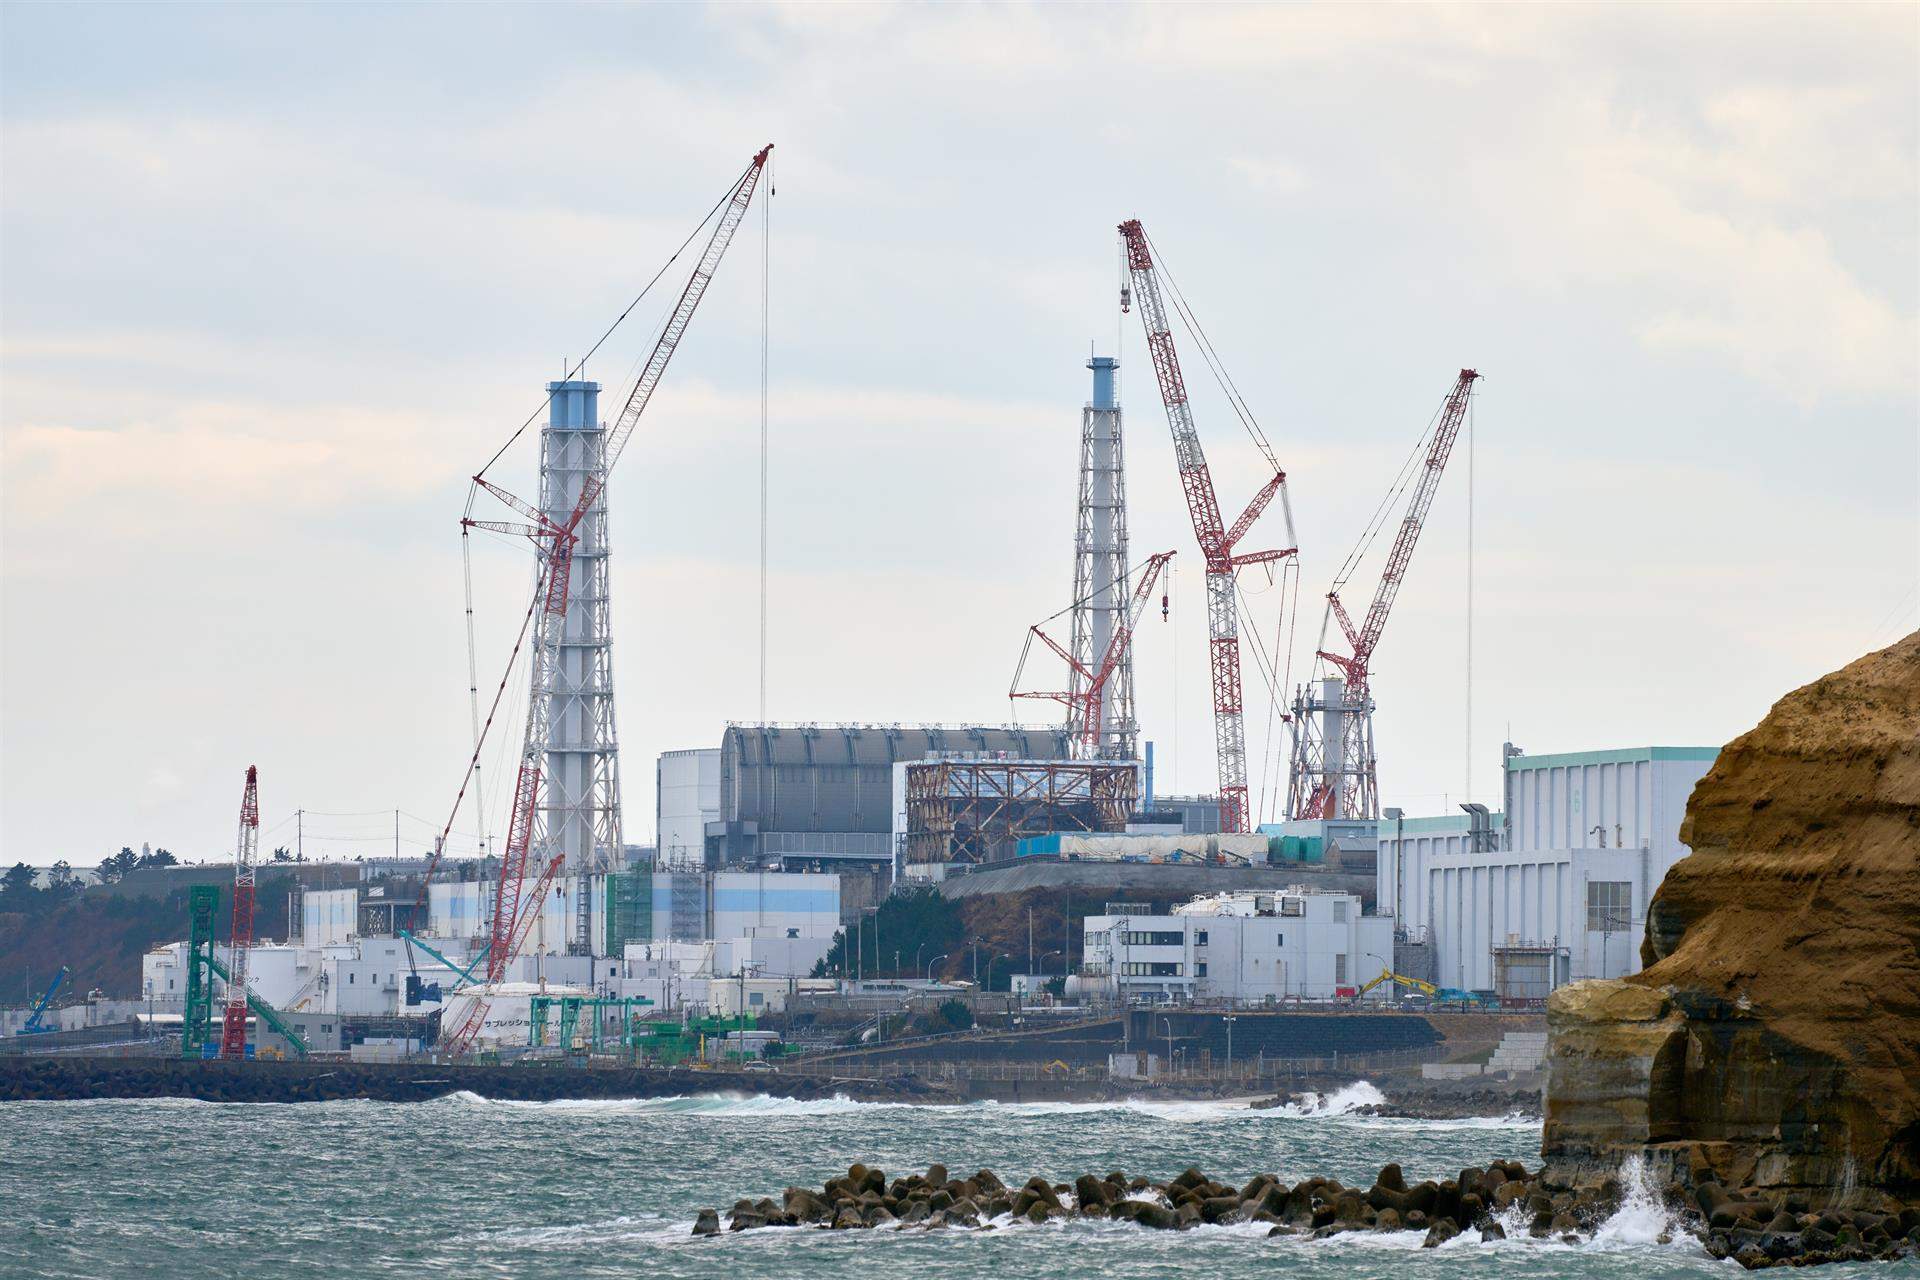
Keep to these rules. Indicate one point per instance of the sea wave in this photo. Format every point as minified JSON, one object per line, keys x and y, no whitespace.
{"x":717,"y":1105}
{"x":1342,"y":1101}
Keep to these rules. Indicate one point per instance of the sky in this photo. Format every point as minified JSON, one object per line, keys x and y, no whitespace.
{"x":276,"y":280}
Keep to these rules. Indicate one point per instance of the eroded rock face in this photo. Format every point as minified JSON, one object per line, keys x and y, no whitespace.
{"x":1774,"y":1037}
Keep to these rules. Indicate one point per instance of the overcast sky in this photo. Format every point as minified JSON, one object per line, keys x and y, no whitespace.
{"x":274,"y":281}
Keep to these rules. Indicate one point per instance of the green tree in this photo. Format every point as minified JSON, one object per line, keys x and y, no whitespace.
{"x":62,"y":885}
{"x":282,"y":854}
{"x":916,"y":924}
{"x":158,"y":858}
{"x":19,"y":890}
{"x":114,"y":868}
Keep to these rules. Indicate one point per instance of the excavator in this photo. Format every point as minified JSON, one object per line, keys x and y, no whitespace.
{"x":1387,"y":975}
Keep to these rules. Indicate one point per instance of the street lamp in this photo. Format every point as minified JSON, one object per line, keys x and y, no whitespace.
{"x":916,"y":954}
{"x":1229,"y":1020}
{"x":936,"y":960}
{"x":1392,"y":984}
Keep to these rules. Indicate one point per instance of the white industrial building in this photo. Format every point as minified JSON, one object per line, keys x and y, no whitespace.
{"x":1555,"y":887}
{"x":752,"y":975}
{"x":686,"y":799}
{"x":1242,"y":946}
{"x":695,"y":907}
{"x":769,"y":928}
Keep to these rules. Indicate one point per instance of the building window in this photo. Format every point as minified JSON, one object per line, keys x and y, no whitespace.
{"x":756,"y":997}
{"x":1200,"y":938}
{"x":1279,"y":939}
{"x":1340,"y":968}
{"x":1152,"y":969}
{"x":1609,"y":905}
{"x":1156,"y":938}
{"x":1200,"y":969}
{"x":349,"y":977}
{"x":1340,"y":911}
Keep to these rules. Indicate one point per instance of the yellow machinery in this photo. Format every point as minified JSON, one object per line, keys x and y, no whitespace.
{"x":1388,"y":975}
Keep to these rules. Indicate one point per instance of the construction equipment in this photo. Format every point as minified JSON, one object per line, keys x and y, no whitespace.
{"x":1217,"y":540}
{"x":35,"y":1024}
{"x":1085,"y":699}
{"x":527,"y":847}
{"x":197,"y":1027}
{"x":1387,"y":975}
{"x":246,"y":849}
{"x":261,"y":1010}
{"x":418,"y":991}
{"x":1332,"y":772}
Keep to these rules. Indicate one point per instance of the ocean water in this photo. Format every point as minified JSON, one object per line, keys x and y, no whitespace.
{"x":465,"y":1187}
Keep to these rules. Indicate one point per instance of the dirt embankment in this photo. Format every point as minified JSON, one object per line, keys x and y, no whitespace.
{"x":1775,"y":1036}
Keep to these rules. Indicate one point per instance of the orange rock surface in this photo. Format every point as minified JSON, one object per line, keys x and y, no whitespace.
{"x":1774,"y":1036}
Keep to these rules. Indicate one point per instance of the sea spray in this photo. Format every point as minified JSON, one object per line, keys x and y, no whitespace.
{"x":1342,"y":1101}
{"x":1641,"y":1218}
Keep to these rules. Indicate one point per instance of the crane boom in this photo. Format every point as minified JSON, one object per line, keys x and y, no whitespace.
{"x":555,"y":544}
{"x":1085,"y":724}
{"x":1439,"y":449}
{"x":1344,"y":783}
{"x":1210,"y":531}
{"x":246,"y":850}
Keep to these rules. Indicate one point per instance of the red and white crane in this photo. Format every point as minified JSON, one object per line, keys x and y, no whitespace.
{"x":1085,"y":702}
{"x":514,"y":908}
{"x":1338,"y":778}
{"x":246,"y":852}
{"x":1217,"y":540}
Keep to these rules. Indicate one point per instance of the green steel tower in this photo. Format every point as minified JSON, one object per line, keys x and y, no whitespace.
{"x":202,"y":901}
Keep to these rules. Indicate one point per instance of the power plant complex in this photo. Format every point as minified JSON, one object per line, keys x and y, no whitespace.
{"x":779,"y":845}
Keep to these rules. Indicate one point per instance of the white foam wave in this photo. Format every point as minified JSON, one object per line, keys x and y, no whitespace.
{"x":1342,"y":1101}
{"x":705,"y":1105}
{"x":1641,"y":1218}
{"x":1186,"y":1112}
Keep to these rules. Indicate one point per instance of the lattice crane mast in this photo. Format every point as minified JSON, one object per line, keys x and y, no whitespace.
{"x":246,"y":852}
{"x":1217,"y":541}
{"x":514,"y":909}
{"x":1353,"y":790}
{"x":1085,"y":722}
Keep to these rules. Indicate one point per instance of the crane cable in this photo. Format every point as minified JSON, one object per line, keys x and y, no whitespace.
{"x":598,"y":343}
{"x":466,"y":555}
{"x":1212,"y":358}
{"x":1119,"y":579}
{"x":1388,"y":504}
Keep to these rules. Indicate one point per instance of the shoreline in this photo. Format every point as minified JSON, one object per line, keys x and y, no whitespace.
{"x":55,"y":1079}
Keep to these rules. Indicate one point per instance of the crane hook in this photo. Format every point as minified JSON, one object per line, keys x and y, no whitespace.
{"x":1126,"y":299}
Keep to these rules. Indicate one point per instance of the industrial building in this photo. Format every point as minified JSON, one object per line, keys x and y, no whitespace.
{"x":686,"y":799}
{"x":772,"y":924}
{"x":971,"y":809}
{"x":825,"y":791}
{"x":1252,"y":947}
{"x":1555,"y":887}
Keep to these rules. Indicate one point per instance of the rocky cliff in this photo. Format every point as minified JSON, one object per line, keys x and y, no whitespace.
{"x":1773,"y":1039}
